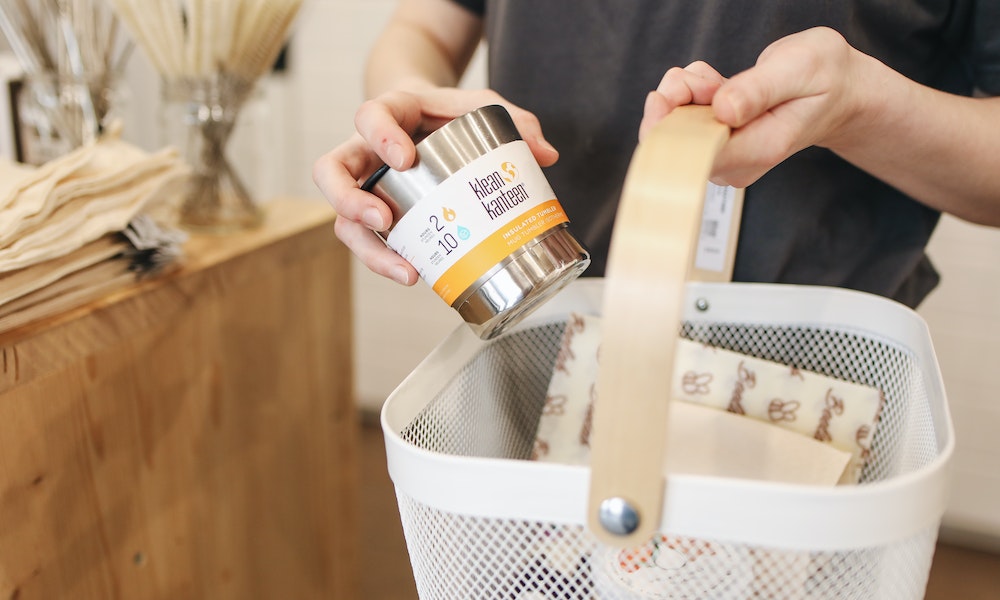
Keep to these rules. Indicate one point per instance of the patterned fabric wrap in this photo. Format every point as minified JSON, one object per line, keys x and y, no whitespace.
{"x":840,"y":414}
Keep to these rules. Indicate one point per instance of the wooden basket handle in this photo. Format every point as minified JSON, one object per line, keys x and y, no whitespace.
{"x":655,"y":233}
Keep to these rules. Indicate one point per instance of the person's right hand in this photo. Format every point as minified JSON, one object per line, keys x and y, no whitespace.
{"x":386,"y":127}
{"x":810,"y":88}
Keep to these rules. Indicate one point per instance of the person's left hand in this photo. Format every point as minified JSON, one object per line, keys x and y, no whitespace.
{"x":807,"y":89}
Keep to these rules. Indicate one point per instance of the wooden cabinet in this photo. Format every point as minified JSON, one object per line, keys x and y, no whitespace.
{"x":192,"y":436}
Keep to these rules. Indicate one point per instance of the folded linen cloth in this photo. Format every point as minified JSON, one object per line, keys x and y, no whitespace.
{"x":52,"y":210}
{"x":20,"y":283}
{"x":144,"y":247}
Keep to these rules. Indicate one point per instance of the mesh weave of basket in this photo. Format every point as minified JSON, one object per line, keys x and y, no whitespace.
{"x":492,"y":409}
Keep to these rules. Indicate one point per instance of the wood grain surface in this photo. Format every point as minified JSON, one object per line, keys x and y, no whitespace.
{"x":190,"y":436}
{"x":655,"y":233}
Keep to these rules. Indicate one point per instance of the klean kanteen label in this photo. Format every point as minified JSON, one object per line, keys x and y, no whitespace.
{"x":476,"y":218}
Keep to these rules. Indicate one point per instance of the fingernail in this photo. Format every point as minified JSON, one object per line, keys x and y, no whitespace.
{"x":733,"y":103}
{"x":373,"y":219}
{"x":655,"y":106}
{"x":545,"y":145}
{"x":650,"y":100}
{"x":401,"y":275}
{"x":395,"y":154}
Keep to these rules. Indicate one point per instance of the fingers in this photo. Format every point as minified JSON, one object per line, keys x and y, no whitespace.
{"x":386,"y":127}
{"x":337,"y":173}
{"x":359,"y":214}
{"x":802,"y":92}
{"x":447,"y":104}
{"x":373,"y":252}
{"x":388,"y":123}
{"x":801,"y":65}
{"x":696,"y":83}
{"x":656,"y":108}
{"x":531,"y":131}
{"x":806,"y":89}
{"x":745,"y":157}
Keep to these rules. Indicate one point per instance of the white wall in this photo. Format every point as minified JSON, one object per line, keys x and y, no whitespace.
{"x":311,"y":109}
{"x":964,"y":318}
{"x":395,"y":327}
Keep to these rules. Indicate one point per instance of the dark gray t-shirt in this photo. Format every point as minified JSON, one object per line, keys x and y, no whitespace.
{"x":585,"y":67}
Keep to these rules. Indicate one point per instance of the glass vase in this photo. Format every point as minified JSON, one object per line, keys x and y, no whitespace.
{"x":60,"y":112}
{"x":198,"y":117}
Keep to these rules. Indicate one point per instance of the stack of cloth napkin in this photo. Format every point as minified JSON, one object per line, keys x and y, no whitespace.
{"x":80,"y":225}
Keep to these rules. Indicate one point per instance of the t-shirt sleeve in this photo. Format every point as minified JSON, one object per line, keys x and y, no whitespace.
{"x":475,"y":6}
{"x":986,"y":57}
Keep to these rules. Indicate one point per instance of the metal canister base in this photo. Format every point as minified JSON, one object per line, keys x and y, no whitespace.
{"x":522,"y":281}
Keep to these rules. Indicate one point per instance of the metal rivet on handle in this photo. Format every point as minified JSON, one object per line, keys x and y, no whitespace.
{"x":701,"y":304}
{"x":618,"y":516}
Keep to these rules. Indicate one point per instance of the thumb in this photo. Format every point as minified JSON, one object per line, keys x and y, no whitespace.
{"x":801,"y":65}
{"x":530,"y":129}
{"x":751,"y":93}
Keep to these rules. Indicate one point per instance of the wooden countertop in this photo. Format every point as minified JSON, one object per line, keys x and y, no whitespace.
{"x":192,"y":435}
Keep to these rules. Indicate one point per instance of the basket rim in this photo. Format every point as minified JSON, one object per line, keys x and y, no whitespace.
{"x":767,"y":514}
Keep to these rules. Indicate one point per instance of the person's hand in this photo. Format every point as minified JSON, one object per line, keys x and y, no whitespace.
{"x":386,"y":127}
{"x":806,"y":89}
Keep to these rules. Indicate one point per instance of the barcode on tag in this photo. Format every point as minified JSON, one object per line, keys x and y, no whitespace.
{"x":710,"y":229}
{"x":716,"y":220}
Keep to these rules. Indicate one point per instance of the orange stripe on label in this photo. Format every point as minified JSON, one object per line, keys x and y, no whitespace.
{"x":519,"y":231}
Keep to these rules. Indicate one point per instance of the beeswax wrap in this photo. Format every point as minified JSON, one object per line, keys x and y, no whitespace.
{"x":831,"y":419}
{"x":839,"y":413}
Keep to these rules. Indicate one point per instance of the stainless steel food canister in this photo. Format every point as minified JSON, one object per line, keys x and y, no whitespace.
{"x":478,"y":220}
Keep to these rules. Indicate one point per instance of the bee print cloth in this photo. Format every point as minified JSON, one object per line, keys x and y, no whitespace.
{"x":732,"y":415}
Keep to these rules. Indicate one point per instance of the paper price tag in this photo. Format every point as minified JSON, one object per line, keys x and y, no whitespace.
{"x":720,"y":223}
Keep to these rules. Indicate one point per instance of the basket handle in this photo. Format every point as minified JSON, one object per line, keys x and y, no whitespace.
{"x":656,"y":229}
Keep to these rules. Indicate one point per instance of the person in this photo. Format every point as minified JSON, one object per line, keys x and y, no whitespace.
{"x":855,"y":123}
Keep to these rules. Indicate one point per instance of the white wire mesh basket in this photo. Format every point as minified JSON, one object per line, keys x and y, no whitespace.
{"x":484,"y":521}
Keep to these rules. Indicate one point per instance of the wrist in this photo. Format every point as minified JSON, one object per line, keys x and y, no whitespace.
{"x":874,"y":94}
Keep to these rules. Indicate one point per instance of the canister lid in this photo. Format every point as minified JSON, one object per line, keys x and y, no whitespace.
{"x":440,"y":155}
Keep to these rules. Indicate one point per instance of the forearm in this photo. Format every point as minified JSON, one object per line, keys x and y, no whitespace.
{"x":939,"y":148}
{"x":426,"y":43}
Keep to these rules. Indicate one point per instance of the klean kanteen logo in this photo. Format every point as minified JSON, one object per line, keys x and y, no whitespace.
{"x":498,"y":192}
{"x":510,"y":170}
